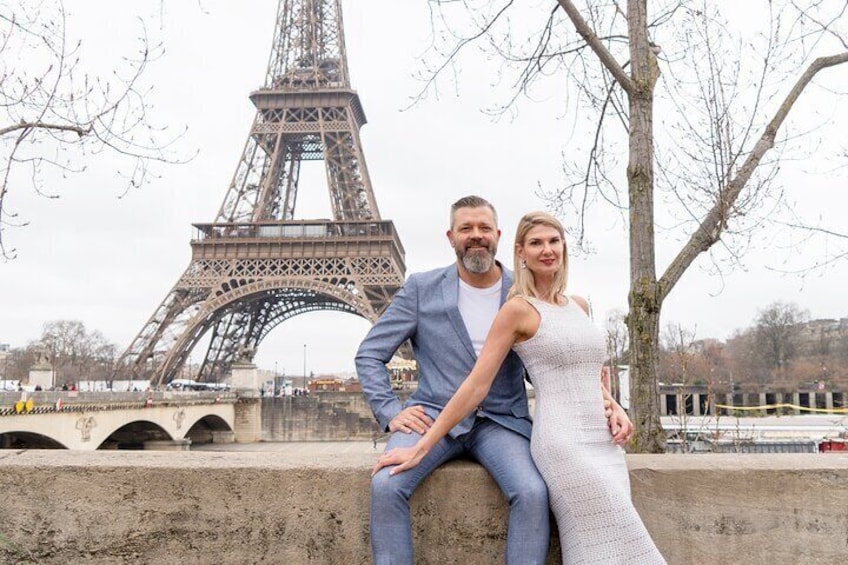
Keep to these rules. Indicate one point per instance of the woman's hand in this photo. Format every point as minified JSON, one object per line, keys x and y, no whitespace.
{"x":403,"y":457}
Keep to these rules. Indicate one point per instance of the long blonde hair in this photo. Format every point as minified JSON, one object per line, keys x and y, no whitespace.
{"x":523,"y":282}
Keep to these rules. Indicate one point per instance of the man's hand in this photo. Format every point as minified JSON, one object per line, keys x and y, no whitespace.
{"x":607,"y":408}
{"x":411,"y":419}
{"x":620,"y":425}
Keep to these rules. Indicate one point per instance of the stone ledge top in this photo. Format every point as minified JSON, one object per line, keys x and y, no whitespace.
{"x":361,"y":456}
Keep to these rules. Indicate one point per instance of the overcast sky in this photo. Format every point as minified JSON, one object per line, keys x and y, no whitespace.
{"x":109,"y":262}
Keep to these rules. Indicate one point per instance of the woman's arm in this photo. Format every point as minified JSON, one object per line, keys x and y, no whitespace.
{"x":513,"y":322}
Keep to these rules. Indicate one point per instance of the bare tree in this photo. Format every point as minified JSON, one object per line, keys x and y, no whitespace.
{"x":731,"y":97}
{"x":682,"y":366}
{"x":18,"y":362}
{"x":616,"y":328}
{"x":842,"y":342}
{"x":54,"y":114}
{"x":77,"y":353}
{"x":743,"y":362}
{"x":678,"y":346}
{"x":778,"y":327}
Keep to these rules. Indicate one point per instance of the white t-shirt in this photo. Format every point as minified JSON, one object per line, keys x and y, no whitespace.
{"x":478,"y":307}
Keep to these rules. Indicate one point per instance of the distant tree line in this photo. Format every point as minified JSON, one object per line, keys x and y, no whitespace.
{"x":74,"y":352}
{"x":782,"y":350}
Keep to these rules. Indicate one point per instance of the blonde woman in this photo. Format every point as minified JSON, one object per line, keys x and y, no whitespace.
{"x":585,"y":471}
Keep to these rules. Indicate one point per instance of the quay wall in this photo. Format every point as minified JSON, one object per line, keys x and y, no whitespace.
{"x":321,"y":416}
{"x":324,"y":416}
{"x":304,"y":507}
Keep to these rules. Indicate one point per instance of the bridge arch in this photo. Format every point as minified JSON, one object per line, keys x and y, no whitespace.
{"x":13,"y":439}
{"x":132,"y":435}
{"x":202,"y":430}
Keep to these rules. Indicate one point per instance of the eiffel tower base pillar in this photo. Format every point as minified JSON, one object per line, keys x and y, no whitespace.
{"x":248,"y":420}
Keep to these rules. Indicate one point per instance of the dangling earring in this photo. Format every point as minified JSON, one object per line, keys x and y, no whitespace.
{"x":523,"y":264}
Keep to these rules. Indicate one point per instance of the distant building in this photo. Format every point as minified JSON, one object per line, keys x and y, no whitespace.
{"x":403,"y":372}
{"x":334,"y":385}
{"x":816,"y":329}
{"x":698,"y":400}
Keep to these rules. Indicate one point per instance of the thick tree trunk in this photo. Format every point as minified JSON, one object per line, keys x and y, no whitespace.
{"x":644,"y":298}
{"x":643,"y":322}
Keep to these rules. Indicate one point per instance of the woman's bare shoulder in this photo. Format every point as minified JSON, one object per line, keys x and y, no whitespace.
{"x":580,"y":301}
{"x":519,"y":305}
{"x":523,"y":315}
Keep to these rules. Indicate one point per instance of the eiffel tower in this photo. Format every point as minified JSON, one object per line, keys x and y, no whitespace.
{"x":256,"y":266}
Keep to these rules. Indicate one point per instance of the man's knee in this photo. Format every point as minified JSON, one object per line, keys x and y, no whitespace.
{"x":534,"y":492}
{"x":385,"y":486}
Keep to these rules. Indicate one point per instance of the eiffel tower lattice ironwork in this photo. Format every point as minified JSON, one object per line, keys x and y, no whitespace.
{"x":256,"y":266}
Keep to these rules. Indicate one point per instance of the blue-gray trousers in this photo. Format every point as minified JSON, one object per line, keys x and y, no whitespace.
{"x":505,"y":455}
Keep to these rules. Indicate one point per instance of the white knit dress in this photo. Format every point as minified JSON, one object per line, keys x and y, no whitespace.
{"x":588,"y":483}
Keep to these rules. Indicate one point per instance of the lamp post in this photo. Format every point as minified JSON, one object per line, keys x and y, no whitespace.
{"x":305,"y":385}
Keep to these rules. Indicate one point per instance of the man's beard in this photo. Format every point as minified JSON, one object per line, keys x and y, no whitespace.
{"x":477,"y":261}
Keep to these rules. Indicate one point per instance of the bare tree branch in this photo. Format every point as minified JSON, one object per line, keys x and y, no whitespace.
{"x":842,"y":235}
{"x":714,"y":223}
{"x":595,"y":43}
{"x":54,"y":115}
{"x":459,"y":47}
{"x":80,"y":130}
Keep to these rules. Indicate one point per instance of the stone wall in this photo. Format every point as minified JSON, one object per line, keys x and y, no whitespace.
{"x":302,"y":507}
{"x":323,"y":416}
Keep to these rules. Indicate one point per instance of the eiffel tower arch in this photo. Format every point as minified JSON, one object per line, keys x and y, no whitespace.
{"x":256,"y":265}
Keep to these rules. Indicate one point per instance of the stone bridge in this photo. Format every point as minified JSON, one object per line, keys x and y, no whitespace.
{"x":140,"y":420}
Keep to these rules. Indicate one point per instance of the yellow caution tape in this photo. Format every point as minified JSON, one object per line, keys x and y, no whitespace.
{"x":793,"y":406}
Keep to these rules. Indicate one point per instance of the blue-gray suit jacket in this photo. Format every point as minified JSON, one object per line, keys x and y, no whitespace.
{"x":425,"y":311}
